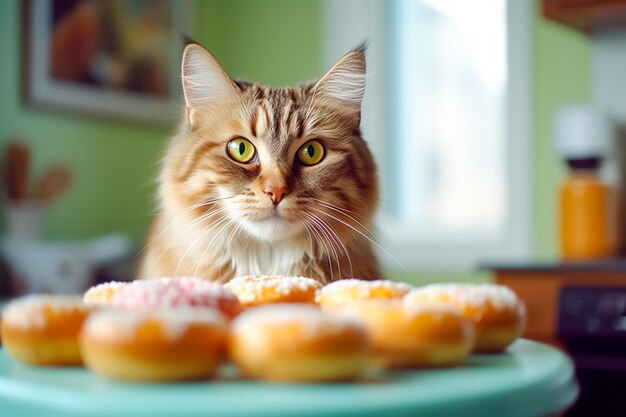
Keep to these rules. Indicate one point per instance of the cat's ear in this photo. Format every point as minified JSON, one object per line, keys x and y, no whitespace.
{"x":345,"y":81}
{"x":204,"y":79}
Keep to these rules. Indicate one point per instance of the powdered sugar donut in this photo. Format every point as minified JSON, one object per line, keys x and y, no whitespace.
{"x":166,"y":292}
{"x":104,"y":294}
{"x":340,"y":293}
{"x":298,"y":342}
{"x":266,"y":289}
{"x":498,"y":314}
{"x":43,"y":330}
{"x":425,"y":336}
{"x":170,"y":344}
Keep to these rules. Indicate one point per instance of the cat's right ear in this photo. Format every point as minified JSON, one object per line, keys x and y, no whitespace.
{"x":345,"y":81}
{"x":204,"y":80}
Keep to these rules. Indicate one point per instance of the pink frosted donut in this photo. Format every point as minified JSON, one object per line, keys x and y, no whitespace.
{"x":166,"y":292}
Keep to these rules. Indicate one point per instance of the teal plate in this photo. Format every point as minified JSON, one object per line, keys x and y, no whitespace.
{"x":529,"y":380}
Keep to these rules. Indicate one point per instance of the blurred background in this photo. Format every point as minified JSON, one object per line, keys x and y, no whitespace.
{"x":497,"y":127}
{"x":442,"y":77}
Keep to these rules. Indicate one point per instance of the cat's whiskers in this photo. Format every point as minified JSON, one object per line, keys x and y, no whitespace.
{"x":330,"y":248}
{"x":187,"y":210}
{"x":343,"y":212}
{"x":337,"y":239}
{"x":204,"y":203}
{"x":364,"y":235}
{"x":311,"y":242}
{"x":206,"y":249}
{"x":331,"y":243}
{"x":312,"y":260}
{"x":237,"y":224}
{"x":340,"y":245}
{"x":191,"y":224}
{"x":317,"y":239}
{"x":223,"y":229}
{"x":198,"y":237}
{"x":343,"y":209}
{"x":310,"y":239}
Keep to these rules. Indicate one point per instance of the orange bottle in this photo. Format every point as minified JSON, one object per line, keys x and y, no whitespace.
{"x":588,"y":214}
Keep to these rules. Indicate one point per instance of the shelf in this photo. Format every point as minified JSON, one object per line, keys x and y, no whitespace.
{"x":589,"y":16}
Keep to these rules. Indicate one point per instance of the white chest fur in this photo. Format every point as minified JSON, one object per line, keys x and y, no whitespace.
{"x":253,"y":257}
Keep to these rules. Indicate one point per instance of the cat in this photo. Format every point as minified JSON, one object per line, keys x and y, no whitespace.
{"x":266,"y":181}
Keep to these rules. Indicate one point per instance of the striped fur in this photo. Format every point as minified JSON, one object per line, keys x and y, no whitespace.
{"x":215,"y":219}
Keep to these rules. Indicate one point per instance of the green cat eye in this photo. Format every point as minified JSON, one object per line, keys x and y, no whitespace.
{"x":241,"y":150}
{"x":311,"y":152}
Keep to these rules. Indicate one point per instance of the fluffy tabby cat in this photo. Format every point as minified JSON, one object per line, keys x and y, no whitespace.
{"x":266,"y":180}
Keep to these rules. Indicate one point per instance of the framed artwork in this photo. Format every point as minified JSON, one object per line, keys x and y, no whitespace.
{"x":109,"y":58}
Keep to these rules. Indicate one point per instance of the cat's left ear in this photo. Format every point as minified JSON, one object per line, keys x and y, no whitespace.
{"x":345,"y":81}
{"x":204,"y":79}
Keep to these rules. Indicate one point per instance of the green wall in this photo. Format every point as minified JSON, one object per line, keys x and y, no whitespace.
{"x":272,"y":41}
{"x":561,"y":72}
{"x":275,"y":42}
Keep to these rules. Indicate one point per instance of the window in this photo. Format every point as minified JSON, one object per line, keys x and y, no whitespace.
{"x":446,"y":115}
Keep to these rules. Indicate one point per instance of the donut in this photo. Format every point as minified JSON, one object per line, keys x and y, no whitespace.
{"x":165,"y":292}
{"x":405,"y":336}
{"x":346,"y":291}
{"x":297,"y":343}
{"x":169,"y":344}
{"x":499,"y":316}
{"x":103,"y":294}
{"x":43,"y":330}
{"x":267,"y":289}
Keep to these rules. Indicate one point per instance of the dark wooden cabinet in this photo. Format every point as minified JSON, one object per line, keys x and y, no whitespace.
{"x":589,"y":16}
{"x":540,"y":286}
{"x":569,"y":306}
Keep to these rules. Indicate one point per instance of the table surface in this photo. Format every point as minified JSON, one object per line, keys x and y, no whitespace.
{"x":612,"y":266}
{"x":530,"y":379}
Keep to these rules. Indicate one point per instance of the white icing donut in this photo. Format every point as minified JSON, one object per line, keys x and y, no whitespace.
{"x":497,"y":313}
{"x":43,"y":330}
{"x":266,"y":289}
{"x":296,"y":342}
{"x":170,"y":344}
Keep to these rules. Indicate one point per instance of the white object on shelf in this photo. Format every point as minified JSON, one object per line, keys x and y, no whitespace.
{"x":582,"y":131}
{"x":60,"y":267}
{"x":24,"y":219}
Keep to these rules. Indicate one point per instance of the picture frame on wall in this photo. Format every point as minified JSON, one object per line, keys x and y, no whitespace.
{"x":114,"y":59}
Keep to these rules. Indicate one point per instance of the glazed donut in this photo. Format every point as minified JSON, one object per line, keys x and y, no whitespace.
{"x":43,"y":330}
{"x":299,"y":343}
{"x":499,"y":316}
{"x":170,"y":344}
{"x":267,"y":289}
{"x":340,"y":293}
{"x":425,"y":336}
{"x":165,"y":292}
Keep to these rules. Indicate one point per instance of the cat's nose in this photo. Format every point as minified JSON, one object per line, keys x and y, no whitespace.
{"x":276,"y":193}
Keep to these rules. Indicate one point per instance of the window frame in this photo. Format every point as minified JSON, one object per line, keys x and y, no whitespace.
{"x":347,"y":23}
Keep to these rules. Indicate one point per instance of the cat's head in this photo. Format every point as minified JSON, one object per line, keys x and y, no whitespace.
{"x":277,"y":162}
